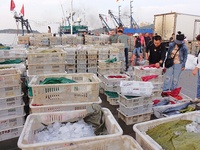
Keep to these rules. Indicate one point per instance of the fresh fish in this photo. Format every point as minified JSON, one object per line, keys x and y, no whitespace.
{"x":177,"y":108}
{"x":171,"y":113}
{"x":163,"y":102}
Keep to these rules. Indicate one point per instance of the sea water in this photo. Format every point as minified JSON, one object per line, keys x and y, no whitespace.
{"x":8,"y":39}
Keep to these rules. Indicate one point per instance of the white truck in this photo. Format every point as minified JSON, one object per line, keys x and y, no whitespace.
{"x":168,"y":23}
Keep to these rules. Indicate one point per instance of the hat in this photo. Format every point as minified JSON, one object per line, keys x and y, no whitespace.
{"x":179,"y":38}
{"x":136,"y":34}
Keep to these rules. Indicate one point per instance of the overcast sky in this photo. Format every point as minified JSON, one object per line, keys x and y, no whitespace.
{"x":42,"y":13}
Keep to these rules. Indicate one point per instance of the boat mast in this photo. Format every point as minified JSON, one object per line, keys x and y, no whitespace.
{"x":71,"y":17}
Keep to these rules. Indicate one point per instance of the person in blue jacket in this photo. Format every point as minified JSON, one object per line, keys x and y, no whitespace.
{"x":173,"y":73}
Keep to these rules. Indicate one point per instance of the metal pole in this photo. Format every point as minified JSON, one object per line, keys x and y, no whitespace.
{"x":131,"y":12}
{"x":119,"y":14}
{"x":71,"y":17}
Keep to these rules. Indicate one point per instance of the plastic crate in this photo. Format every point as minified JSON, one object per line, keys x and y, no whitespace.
{"x":81,"y":57}
{"x":11,"y":101}
{"x":10,"y":91}
{"x":112,"y":101}
{"x":81,"y":66}
{"x":136,"y":110}
{"x":158,"y":86}
{"x":37,"y":107}
{"x":112,"y":79}
{"x":156,"y":93}
{"x":141,"y":71}
{"x":70,"y":68}
{"x":12,"y":111}
{"x":70,"y":50}
{"x":46,"y":69}
{"x":103,"y":56}
{"x":11,"y":122}
{"x":56,"y":56}
{"x":10,"y":133}
{"x":85,"y":90}
{"x":136,"y":88}
{"x":33,"y":122}
{"x":114,"y":50}
{"x":81,"y":61}
{"x":92,"y":70}
{"x":103,"y":50}
{"x":92,"y":66}
{"x":106,"y":71}
{"x":21,"y":67}
{"x":159,"y":79}
{"x":92,"y":56}
{"x":81,"y":70}
{"x":184,"y":99}
{"x":92,"y":61}
{"x":129,"y":120}
{"x":124,"y":142}
{"x":81,"y":51}
{"x":69,"y":57}
{"x":9,"y":77}
{"x":13,"y":54}
{"x":92,"y":52}
{"x":146,"y":142}
{"x":102,"y":64}
{"x":135,"y":101}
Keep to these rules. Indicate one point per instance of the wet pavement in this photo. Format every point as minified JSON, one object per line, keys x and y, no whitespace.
{"x":188,"y":82}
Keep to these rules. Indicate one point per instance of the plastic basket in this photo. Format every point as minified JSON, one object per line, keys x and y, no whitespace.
{"x":81,"y":70}
{"x":159,"y":79}
{"x":92,"y":70}
{"x":21,"y":67}
{"x":112,"y":101}
{"x":139,"y":71}
{"x":81,"y":61}
{"x":184,"y":99}
{"x":106,"y":71}
{"x":10,"y":91}
{"x":92,"y":56}
{"x":92,"y":61}
{"x":102,"y":64}
{"x":70,"y":68}
{"x":146,"y":142}
{"x":124,"y":142}
{"x":129,"y":120}
{"x":10,"y":133}
{"x":37,"y":107}
{"x":34,"y":121}
{"x":113,"y":79}
{"x":135,"y":101}
{"x":13,"y":54}
{"x":70,"y":50}
{"x":68,"y":57}
{"x":103,"y":56}
{"x":81,"y":57}
{"x":11,"y":101}
{"x":136,"y":88}
{"x":85,"y":90}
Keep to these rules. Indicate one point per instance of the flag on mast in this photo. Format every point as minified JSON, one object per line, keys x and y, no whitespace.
{"x":12,"y":5}
{"x":22,"y":10}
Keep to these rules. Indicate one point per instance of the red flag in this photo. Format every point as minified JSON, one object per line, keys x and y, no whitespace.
{"x":22,"y":10}
{"x":12,"y":5}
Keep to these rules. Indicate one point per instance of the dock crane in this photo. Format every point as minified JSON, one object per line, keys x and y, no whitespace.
{"x":117,"y":21}
{"x":105,"y":25}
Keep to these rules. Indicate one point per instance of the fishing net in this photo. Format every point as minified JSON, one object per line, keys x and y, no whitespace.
{"x":174,"y":136}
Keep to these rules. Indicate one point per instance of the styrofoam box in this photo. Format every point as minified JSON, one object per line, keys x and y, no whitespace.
{"x":33,"y":122}
{"x":139,"y":71}
{"x":104,"y":71}
{"x":102,"y":64}
{"x":10,"y":133}
{"x":159,"y":78}
{"x":64,"y":106}
{"x":146,"y":142}
{"x":11,"y":122}
{"x":136,"y":110}
{"x":46,"y":68}
{"x":184,"y":99}
{"x":12,"y":111}
{"x":86,"y":89}
{"x":129,"y":120}
{"x":135,"y":101}
{"x":9,"y":77}
{"x":10,"y":91}
{"x":136,"y":88}
{"x":112,"y":101}
{"x":124,"y":142}
{"x":56,"y":56}
{"x":115,"y":81}
{"x":11,"y":101}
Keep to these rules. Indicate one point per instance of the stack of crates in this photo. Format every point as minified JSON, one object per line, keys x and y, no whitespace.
{"x":12,"y":106}
{"x":142,"y":72}
{"x":81,"y":60}
{"x":71,"y":59}
{"x":92,"y":60}
{"x":135,"y":102}
{"x":46,"y":61}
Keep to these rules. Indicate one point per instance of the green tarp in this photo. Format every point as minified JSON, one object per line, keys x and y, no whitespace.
{"x":57,"y":80}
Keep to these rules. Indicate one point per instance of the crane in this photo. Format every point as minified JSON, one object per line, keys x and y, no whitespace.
{"x":105,"y":25}
{"x":117,"y":21}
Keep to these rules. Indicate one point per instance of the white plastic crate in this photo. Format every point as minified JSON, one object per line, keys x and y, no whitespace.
{"x":11,"y":101}
{"x":114,"y":50}
{"x":11,"y":122}
{"x":136,"y":88}
{"x":71,"y":61}
{"x":105,"y":71}
{"x":86,"y":88}
{"x":103,"y":56}
{"x":134,"y":101}
{"x":12,"y":111}
{"x":184,"y":99}
{"x":33,"y":122}
{"x":9,"y":77}
{"x":92,"y":51}
{"x":81,"y":70}
{"x":13,"y":54}
{"x":82,"y":66}
{"x":46,"y":69}
{"x":81,"y":57}
{"x":136,"y":110}
{"x":92,"y":65}
{"x":92,"y":70}
{"x":56,"y":56}
{"x":81,"y":61}
{"x":92,"y":56}
{"x":114,"y":80}
{"x":156,"y":93}
{"x":70,"y":57}
{"x":158,"y":86}
{"x":10,"y":133}
{"x":124,"y":142}
{"x":70,"y":50}
{"x":102,"y":64}
{"x":70,"y":68}
{"x":10,"y":91}
{"x":107,"y":87}
{"x":141,"y":71}
{"x":21,"y":67}
{"x":92,"y":61}
{"x":146,"y":142}
{"x":112,"y":101}
{"x":158,"y":79}
{"x":37,"y":107}
{"x":129,"y":120}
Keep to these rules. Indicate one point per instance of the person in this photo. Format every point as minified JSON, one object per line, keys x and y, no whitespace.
{"x":143,"y":44}
{"x":123,"y":38}
{"x":156,"y":52}
{"x":113,"y":38}
{"x":197,"y":71}
{"x":173,"y":73}
{"x":83,"y":35}
{"x":49,"y":29}
{"x":137,"y":49}
{"x":172,"y":38}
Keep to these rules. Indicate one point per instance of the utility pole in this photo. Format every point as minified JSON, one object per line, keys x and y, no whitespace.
{"x":131,"y":12}
{"x":71,"y":17}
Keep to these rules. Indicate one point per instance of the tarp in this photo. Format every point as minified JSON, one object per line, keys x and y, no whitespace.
{"x":132,"y":31}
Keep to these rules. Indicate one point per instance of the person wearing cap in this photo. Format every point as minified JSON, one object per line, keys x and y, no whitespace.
{"x":156,"y":51}
{"x":123,"y":38}
{"x":197,"y":71}
{"x":137,"y":49}
{"x":180,"y":51}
